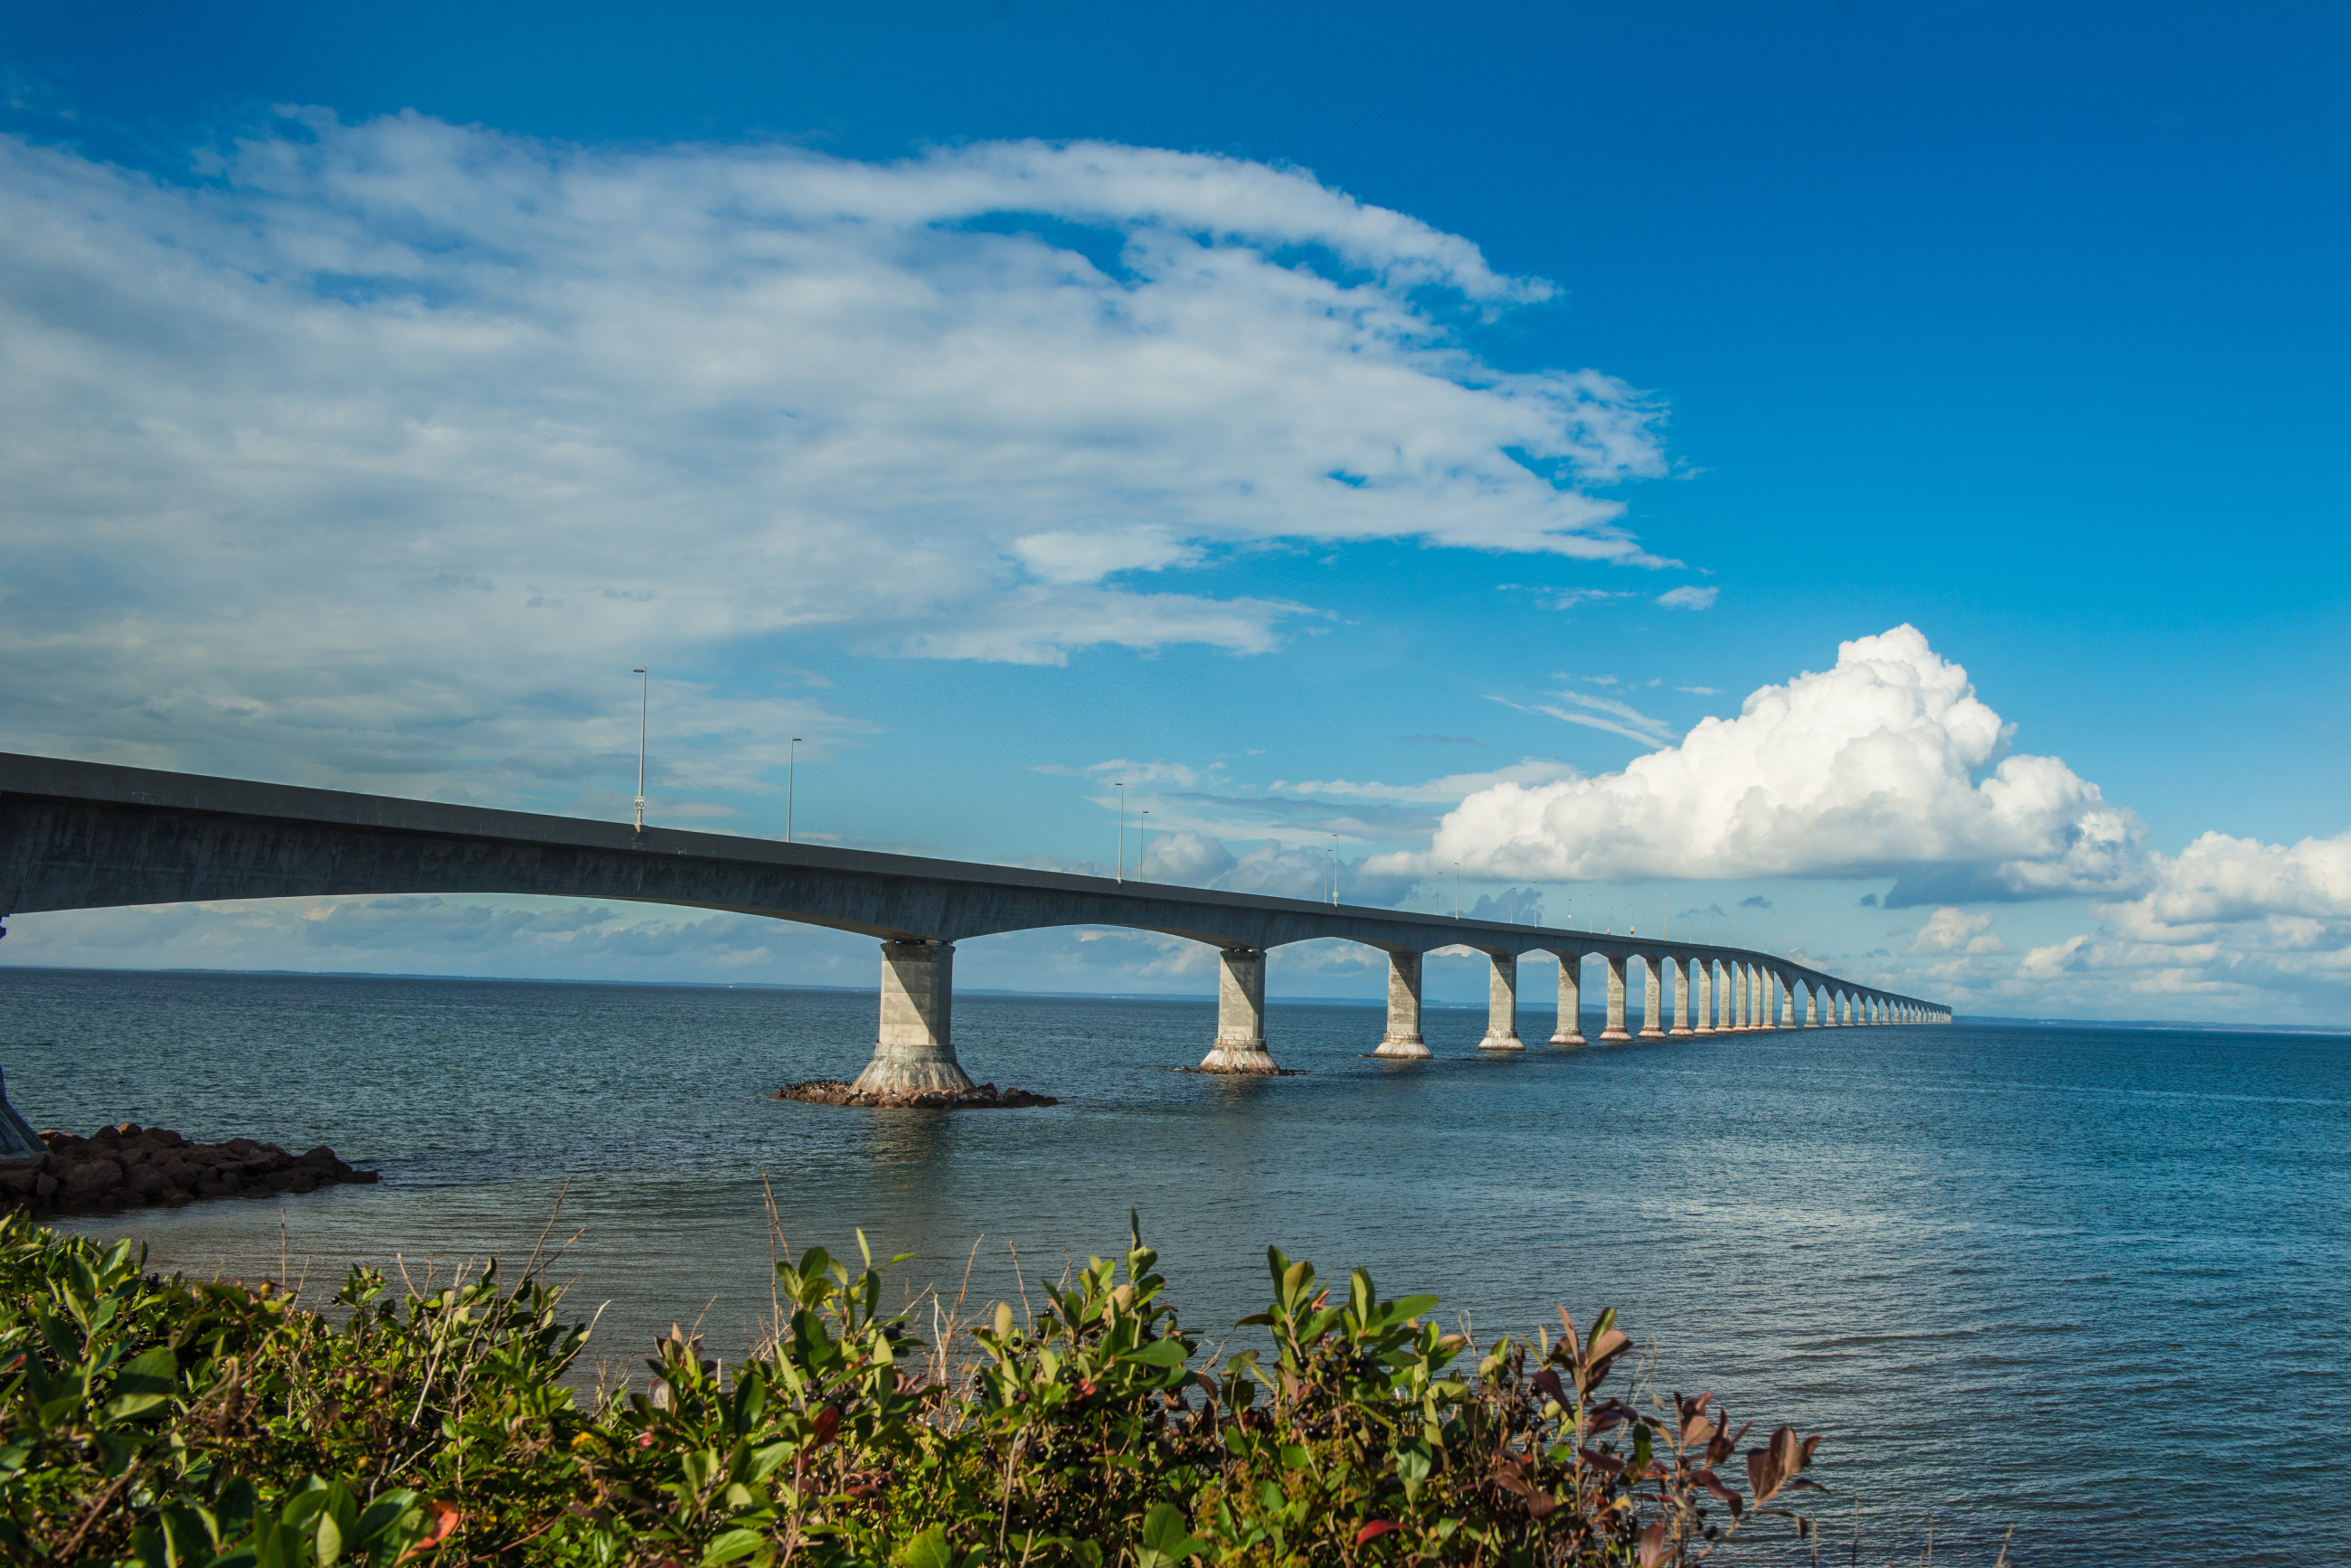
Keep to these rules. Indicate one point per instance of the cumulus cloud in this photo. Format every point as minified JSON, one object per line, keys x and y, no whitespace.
{"x":1886,"y":764}
{"x":2227,"y":920}
{"x":1950,"y":930}
{"x":366,"y":454}
{"x":1689,"y":596}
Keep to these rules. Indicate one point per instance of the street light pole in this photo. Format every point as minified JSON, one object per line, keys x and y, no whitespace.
{"x":1121,"y":788}
{"x":1457,"y":890}
{"x":792,"y":785}
{"x":1142,"y":839}
{"x":645,"y":700}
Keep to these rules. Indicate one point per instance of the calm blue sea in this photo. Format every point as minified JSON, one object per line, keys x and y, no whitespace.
{"x":2093,"y":1284}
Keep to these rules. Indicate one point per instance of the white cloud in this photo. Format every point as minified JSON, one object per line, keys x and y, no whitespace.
{"x":1950,"y":930}
{"x":1885,"y":765}
{"x":2232,"y":922}
{"x":380,"y":445}
{"x":1600,"y":712}
{"x":1452,"y":787}
{"x":1689,"y":596}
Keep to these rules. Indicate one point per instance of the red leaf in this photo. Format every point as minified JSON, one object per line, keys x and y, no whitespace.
{"x":1653,"y":1546}
{"x":827,"y":1424}
{"x":1374,"y":1531}
{"x":1731,"y":1499}
{"x":644,"y":1439}
{"x":1547,"y":1382}
{"x":443,"y":1518}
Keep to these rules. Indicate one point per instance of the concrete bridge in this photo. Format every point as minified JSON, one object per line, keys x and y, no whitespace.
{"x":84,"y":835}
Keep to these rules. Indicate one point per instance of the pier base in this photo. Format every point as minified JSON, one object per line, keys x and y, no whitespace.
{"x":1569,"y":1030}
{"x":916,"y":1051}
{"x":1403,"y":1042}
{"x":1613,"y":1029}
{"x":1503,"y":1004}
{"x":1240,"y":1015}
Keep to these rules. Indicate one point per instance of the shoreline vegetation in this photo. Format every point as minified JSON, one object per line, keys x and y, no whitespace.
{"x":178,"y":1424}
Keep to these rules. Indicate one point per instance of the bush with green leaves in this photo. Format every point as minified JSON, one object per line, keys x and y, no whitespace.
{"x":179,"y":1425}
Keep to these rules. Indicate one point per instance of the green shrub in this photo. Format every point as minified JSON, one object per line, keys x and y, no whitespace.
{"x":217,"y":1425}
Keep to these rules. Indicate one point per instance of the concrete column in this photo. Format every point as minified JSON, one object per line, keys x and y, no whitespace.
{"x":1787,"y":1003}
{"x":1653,"y":998}
{"x":1614,"y":1027}
{"x":1767,"y":999}
{"x":1726,"y":1017}
{"x":1503,"y":1004}
{"x":1570,"y":1031}
{"x":914,"y":1051}
{"x":1705,"y":995}
{"x":1734,"y":986}
{"x":1681,"y":996}
{"x":1402,"y":1038}
{"x":1240,"y":1014}
{"x":1811,"y":1004}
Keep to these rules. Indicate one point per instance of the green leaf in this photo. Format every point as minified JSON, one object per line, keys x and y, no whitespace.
{"x":1160,"y":1353}
{"x":330,"y":1537}
{"x":729,"y":1545}
{"x":147,"y":1383}
{"x":1165,"y":1541}
{"x":928,"y":1550}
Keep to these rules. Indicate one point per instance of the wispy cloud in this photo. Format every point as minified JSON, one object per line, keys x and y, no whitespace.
{"x":366,"y":458}
{"x":1600,"y":712}
{"x":1689,"y":596}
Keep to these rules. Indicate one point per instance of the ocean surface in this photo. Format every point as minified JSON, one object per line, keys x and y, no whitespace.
{"x":2089,"y":1284}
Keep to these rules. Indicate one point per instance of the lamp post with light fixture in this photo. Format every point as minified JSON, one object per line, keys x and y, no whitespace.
{"x":792,"y":785}
{"x":645,"y":700}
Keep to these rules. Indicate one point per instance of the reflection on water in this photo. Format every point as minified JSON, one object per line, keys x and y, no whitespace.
{"x":1957,"y":1250}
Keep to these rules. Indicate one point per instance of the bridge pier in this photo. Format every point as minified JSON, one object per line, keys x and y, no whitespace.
{"x":1705,"y":977}
{"x":1403,"y":1040}
{"x":1503,"y":1004}
{"x":1613,"y":1028}
{"x":1653,"y":998}
{"x":1569,"y":1031}
{"x":914,"y":1051}
{"x":1240,"y":1014}
{"x":1681,"y":995}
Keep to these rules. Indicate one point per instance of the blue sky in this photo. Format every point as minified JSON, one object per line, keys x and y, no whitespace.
{"x":1331,"y":422}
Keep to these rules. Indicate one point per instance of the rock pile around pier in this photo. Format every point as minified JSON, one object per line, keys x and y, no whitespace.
{"x":987,"y":1097}
{"x":118,"y":1167}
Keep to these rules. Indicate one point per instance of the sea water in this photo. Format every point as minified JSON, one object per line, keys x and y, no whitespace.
{"x":2088,"y":1283}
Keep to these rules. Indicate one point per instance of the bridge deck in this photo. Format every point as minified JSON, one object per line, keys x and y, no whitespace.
{"x":84,"y":835}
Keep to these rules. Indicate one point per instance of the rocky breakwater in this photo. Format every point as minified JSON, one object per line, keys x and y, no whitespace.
{"x":985,"y":1097}
{"x":118,"y":1167}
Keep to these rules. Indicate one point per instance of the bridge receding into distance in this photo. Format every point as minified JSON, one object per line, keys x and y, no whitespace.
{"x":85,"y":835}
